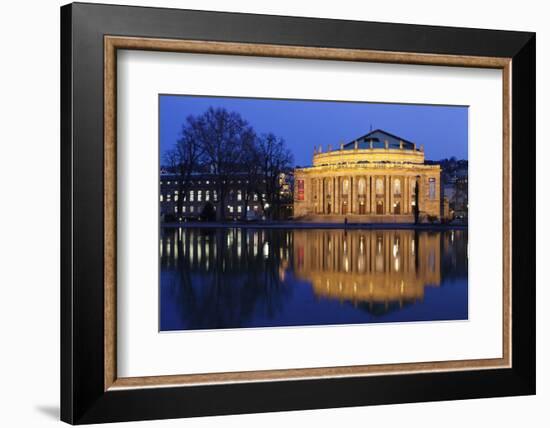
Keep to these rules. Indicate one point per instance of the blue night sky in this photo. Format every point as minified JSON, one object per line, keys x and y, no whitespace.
{"x":303,"y":124}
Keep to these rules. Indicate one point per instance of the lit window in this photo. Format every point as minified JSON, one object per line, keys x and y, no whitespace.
{"x":432,"y":188}
{"x":230,"y":208}
{"x":175,"y":197}
{"x":397,"y":186}
{"x":183,"y":209}
{"x":199,"y":195}
{"x":255,"y":196}
{"x":161,"y":198}
{"x":345,"y":187}
{"x":361,"y":186}
{"x":379,"y":186}
{"x":191,"y":208}
{"x":207,"y":195}
{"x":239,"y":195}
{"x":176,"y":209}
{"x":239,"y":209}
{"x":191,"y":195}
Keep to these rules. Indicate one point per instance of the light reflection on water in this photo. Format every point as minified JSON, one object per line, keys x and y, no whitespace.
{"x":252,"y":277}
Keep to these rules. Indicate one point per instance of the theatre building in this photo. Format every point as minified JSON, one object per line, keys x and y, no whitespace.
{"x":371,"y":179}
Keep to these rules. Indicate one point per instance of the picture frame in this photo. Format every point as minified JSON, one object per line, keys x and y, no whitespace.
{"x":91,"y":35}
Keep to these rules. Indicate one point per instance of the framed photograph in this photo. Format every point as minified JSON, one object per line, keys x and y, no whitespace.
{"x":266,"y":213}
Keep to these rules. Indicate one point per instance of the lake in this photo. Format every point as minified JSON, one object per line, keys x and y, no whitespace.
{"x":216,"y":278}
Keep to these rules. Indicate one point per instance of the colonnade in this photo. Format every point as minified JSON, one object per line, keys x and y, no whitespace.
{"x":364,"y":194}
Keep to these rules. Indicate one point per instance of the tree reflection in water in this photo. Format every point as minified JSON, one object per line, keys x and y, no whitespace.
{"x":251,"y":277}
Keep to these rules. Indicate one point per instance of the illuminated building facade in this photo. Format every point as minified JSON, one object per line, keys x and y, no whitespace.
{"x":371,"y":179}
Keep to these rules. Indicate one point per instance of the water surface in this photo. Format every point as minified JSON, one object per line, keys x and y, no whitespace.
{"x":215,"y":278}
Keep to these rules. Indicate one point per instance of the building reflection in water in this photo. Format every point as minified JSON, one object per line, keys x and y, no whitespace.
{"x":368,"y":266}
{"x":253,"y":277}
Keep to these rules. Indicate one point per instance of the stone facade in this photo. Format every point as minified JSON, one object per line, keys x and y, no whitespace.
{"x":371,"y":179}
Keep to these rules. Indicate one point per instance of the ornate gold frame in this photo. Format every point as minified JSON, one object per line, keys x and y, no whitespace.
{"x":113,"y":43}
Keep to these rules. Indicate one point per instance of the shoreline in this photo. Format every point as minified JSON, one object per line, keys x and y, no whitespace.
{"x":312,"y":225}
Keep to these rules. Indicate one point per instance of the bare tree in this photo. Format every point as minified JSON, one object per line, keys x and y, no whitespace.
{"x":185,"y":158}
{"x":251,"y":172}
{"x":223,"y":144}
{"x":275,"y":159}
{"x":223,"y":136}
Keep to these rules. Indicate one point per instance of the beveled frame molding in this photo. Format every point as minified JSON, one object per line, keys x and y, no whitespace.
{"x":113,"y":43}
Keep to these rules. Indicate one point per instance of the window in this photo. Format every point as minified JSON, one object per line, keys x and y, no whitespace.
{"x":191,"y":208}
{"x":191,"y":195}
{"x":345,"y":187}
{"x":199,"y":195}
{"x":183,"y":209}
{"x":175,"y":197}
{"x":161,"y":198}
{"x":230,"y":208}
{"x":207,"y":195}
{"x":431,"y":191}
{"x":397,"y":186}
{"x":176,"y":209}
{"x":361,"y":186}
{"x":379,"y":186}
{"x":239,"y":195}
{"x":239,"y":209}
{"x":255,"y":198}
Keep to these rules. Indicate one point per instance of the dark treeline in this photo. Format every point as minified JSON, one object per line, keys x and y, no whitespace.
{"x":223,"y":144}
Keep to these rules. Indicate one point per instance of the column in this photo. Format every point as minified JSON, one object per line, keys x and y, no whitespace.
{"x":367,"y":194}
{"x":323,"y":198}
{"x":372,"y":193}
{"x":404,"y":193}
{"x":352,"y":194}
{"x":392,"y":190}
{"x":335,"y":195}
{"x":387,"y":209}
{"x":408,"y":195}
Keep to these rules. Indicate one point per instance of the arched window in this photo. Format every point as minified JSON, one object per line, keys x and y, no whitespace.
{"x":379,"y":186}
{"x":397,"y":186}
{"x":361,"y":186}
{"x":345,"y":186}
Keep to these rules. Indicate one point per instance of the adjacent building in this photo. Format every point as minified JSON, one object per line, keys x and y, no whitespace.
{"x":371,"y":179}
{"x":197,"y":197}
